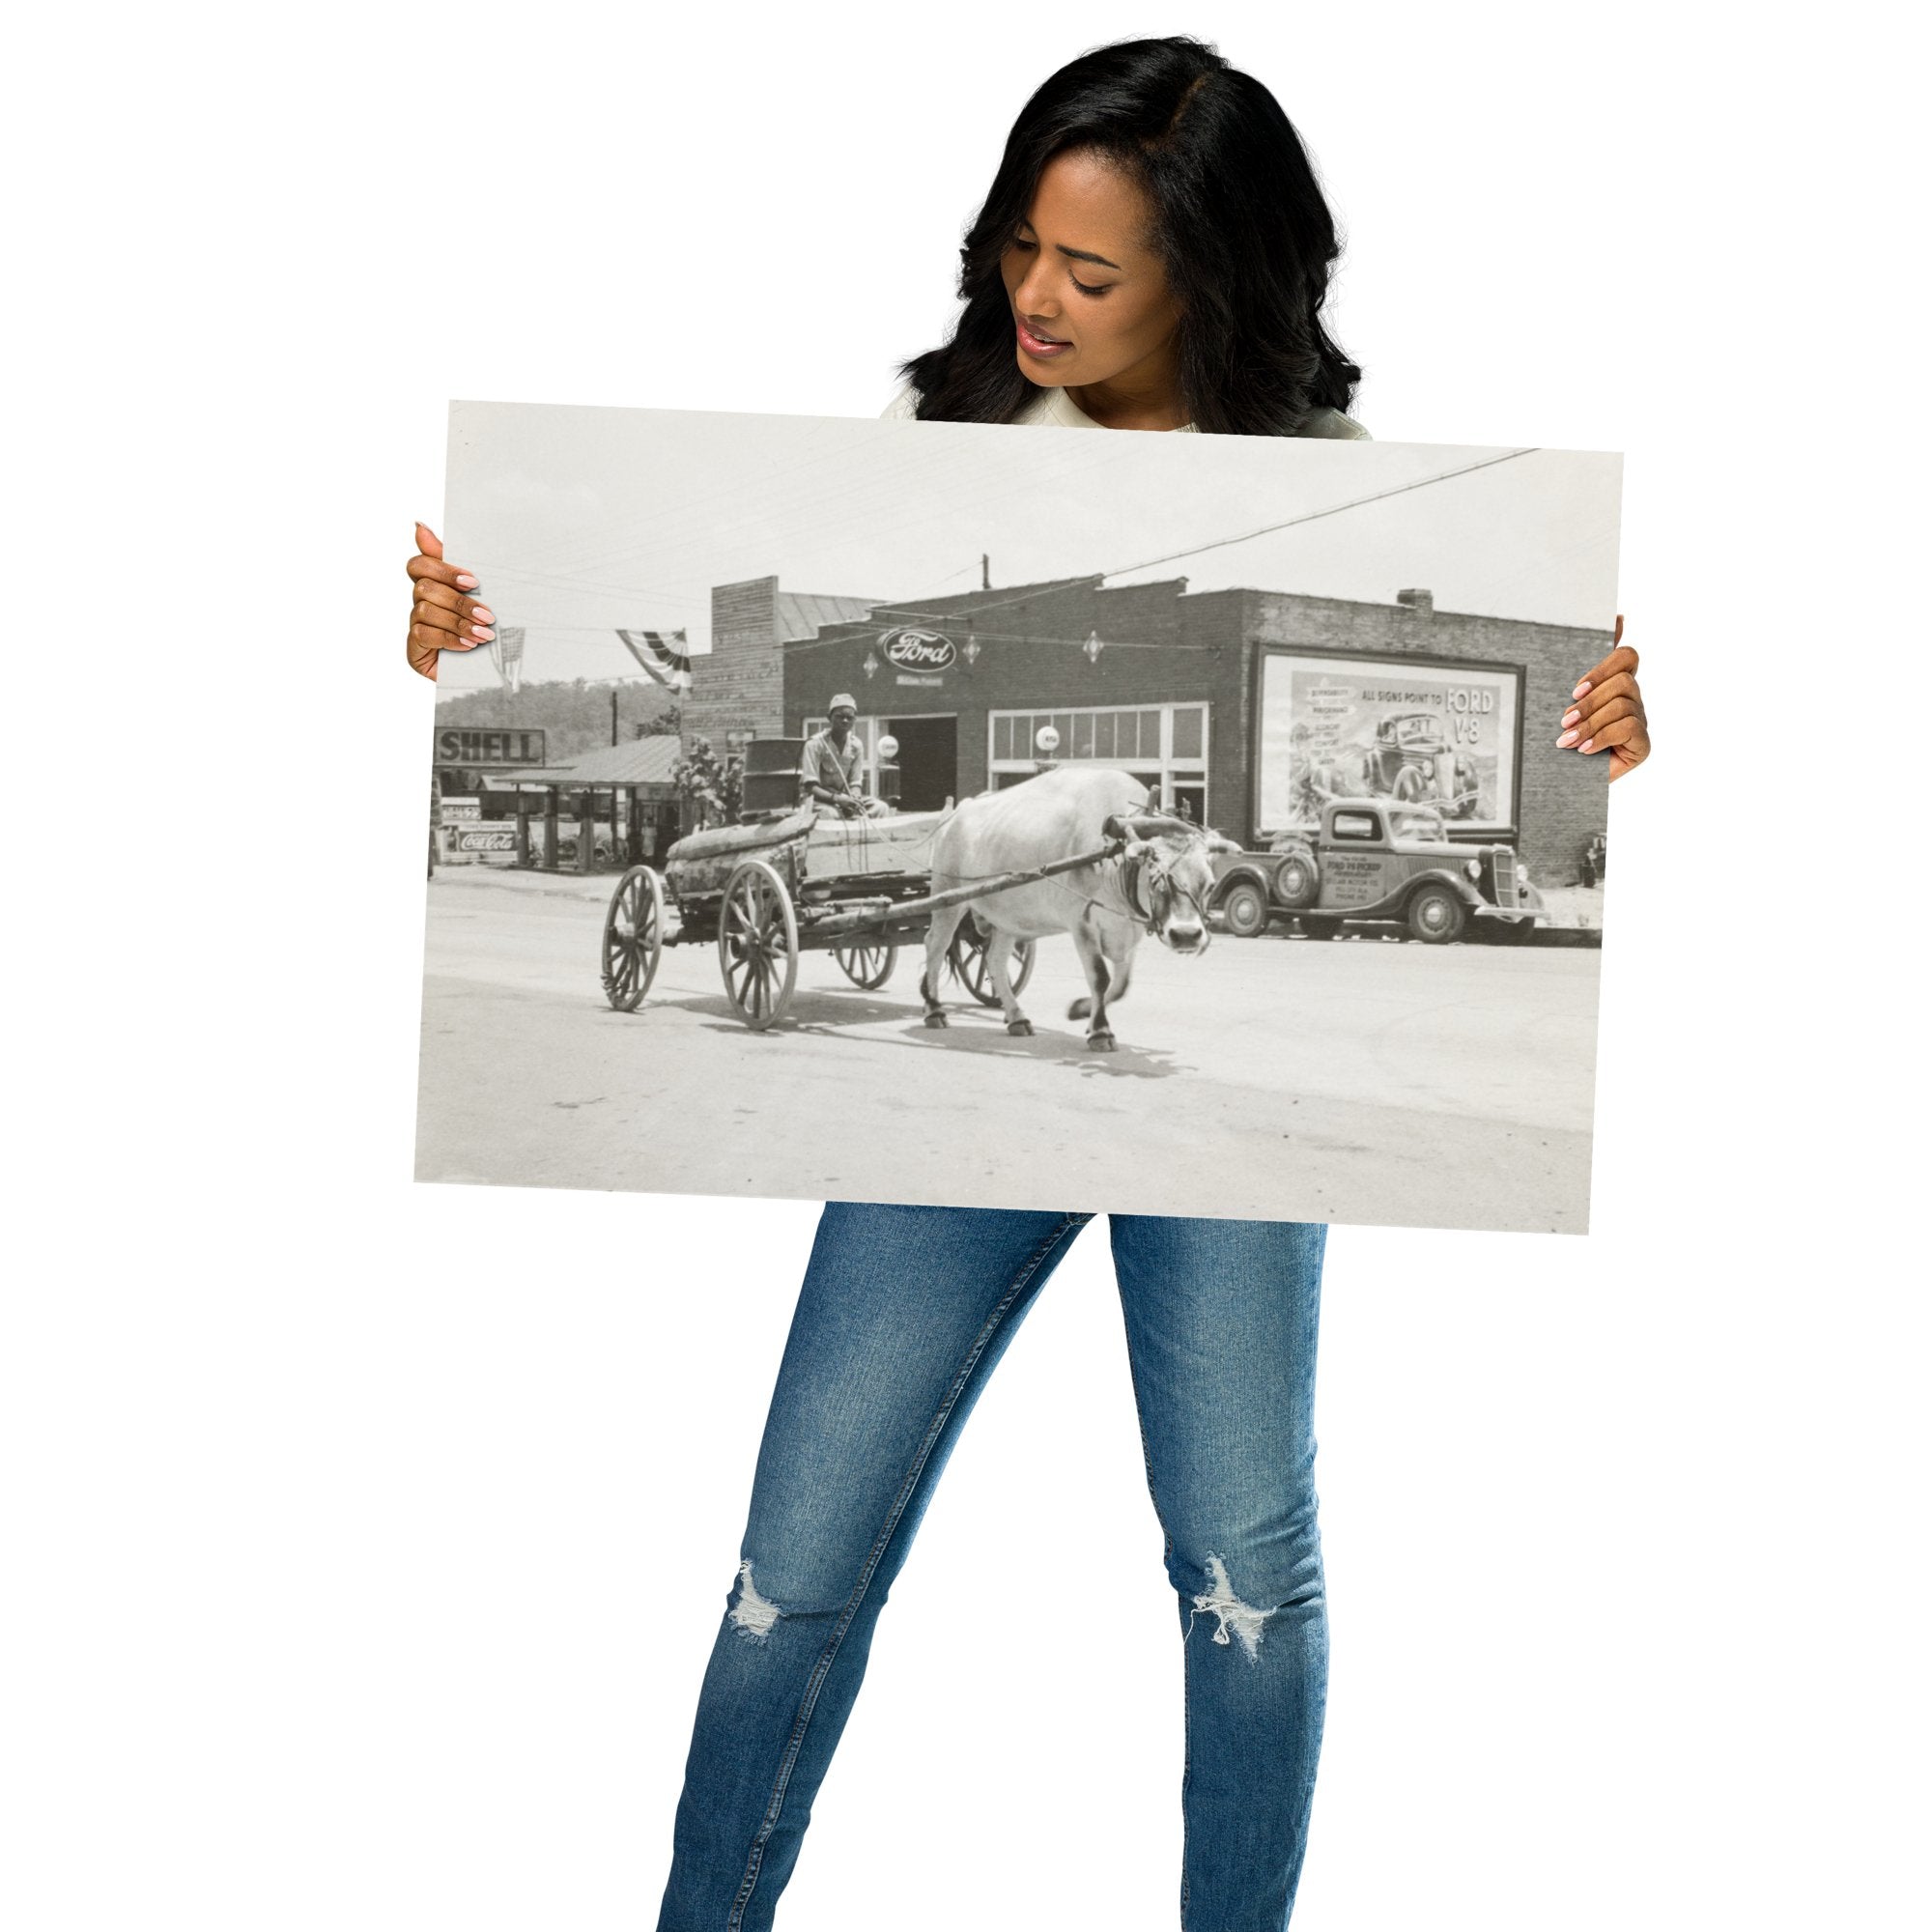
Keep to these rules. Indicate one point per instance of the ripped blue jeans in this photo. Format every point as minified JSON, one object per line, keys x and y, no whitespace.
{"x":903,"y":1314}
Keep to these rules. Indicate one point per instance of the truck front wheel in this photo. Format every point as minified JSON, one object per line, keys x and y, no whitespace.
{"x":1437,"y":916}
{"x":1245,"y":910}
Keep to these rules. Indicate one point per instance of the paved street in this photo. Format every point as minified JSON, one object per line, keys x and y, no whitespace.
{"x":1356,"y":1080}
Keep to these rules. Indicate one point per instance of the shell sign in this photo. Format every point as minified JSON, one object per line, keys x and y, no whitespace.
{"x":911,"y":648}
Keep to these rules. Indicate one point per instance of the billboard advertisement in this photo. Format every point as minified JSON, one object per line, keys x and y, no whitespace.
{"x":1420,"y":732}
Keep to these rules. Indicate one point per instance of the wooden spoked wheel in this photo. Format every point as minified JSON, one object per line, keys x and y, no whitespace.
{"x":868,"y":965}
{"x":757,"y":944}
{"x":633,"y":938}
{"x":968,"y":957}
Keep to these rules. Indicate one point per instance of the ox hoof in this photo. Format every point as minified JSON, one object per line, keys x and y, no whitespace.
{"x":935,"y":1020}
{"x":1021,"y":1029}
{"x":1099,"y":1042}
{"x":1079,"y":1009}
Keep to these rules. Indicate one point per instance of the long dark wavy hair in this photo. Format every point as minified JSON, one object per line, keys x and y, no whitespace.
{"x":1240,"y":227}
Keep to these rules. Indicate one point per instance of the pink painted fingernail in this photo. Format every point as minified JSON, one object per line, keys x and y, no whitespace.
{"x":464,"y":581}
{"x":1569,"y":717}
{"x":484,"y":616}
{"x":1568,"y":738}
{"x":1586,"y":743}
{"x":481,"y":635}
{"x":1580,"y":689}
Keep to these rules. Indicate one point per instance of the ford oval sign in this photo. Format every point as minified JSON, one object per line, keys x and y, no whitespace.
{"x":911,"y":648}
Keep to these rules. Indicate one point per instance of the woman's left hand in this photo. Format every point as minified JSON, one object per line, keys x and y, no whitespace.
{"x":1606,"y":710}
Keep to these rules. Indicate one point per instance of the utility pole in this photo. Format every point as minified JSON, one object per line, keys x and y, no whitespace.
{"x":614,"y":713}
{"x":985,"y":571}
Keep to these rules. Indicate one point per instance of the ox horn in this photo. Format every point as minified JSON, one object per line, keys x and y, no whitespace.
{"x":1162,"y":825}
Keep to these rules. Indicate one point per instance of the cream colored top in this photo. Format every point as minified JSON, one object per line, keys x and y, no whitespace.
{"x":1053,"y":409}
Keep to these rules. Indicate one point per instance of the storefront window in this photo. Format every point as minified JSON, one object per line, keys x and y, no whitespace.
{"x":1164,"y":746}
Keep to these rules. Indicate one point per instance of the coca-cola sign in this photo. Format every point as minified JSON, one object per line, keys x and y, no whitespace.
{"x":911,"y":648}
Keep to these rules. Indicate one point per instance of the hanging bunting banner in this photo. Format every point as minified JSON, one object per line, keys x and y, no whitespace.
{"x":664,"y":656}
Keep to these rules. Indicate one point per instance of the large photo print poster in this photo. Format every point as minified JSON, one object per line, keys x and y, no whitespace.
{"x":968,"y":815}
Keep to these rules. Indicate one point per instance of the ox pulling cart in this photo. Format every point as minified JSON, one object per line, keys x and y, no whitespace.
{"x":766,"y":891}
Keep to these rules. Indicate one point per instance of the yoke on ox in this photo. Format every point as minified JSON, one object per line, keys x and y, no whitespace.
{"x":1156,"y":884}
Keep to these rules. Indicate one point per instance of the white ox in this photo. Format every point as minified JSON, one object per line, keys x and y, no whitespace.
{"x":1158,"y":884}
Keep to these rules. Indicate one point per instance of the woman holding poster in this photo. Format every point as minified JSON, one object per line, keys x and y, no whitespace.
{"x":1153,"y":254}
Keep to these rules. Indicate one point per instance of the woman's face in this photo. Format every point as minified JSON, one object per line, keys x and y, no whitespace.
{"x":1091,"y":300}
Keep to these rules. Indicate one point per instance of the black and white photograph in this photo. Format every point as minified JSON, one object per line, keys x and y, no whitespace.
{"x":499,"y":1427}
{"x":968,"y":817}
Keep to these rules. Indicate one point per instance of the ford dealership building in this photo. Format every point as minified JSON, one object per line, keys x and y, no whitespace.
{"x":1235,"y":707}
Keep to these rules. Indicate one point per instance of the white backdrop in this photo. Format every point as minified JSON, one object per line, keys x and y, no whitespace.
{"x":365,"y":1541}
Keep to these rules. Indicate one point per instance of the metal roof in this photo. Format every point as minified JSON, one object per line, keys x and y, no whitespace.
{"x":637,"y":761}
{"x":798,"y":613}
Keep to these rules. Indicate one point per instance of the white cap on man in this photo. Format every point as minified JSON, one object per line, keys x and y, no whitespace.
{"x":843,"y":702}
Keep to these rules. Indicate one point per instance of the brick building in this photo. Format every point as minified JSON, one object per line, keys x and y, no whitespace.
{"x":737,"y":689}
{"x":1228,"y":704}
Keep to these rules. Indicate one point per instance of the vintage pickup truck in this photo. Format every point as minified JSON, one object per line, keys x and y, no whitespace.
{"x":1375,"y":861}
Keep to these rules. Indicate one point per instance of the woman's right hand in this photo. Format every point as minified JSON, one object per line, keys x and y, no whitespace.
{"x":445,"y":616}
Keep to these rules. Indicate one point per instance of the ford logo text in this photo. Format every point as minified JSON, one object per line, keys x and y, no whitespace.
{"x":913,"y":649}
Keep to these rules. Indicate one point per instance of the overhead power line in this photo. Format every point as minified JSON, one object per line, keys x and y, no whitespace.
{"x":910,"y":612}
{"x":1222,"y":543}
{"x":1315,"y":516}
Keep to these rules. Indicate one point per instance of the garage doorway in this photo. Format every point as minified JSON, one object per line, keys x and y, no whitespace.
{"x":929,"y":760}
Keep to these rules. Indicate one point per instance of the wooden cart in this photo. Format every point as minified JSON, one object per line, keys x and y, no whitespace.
{"x":767,"y":891}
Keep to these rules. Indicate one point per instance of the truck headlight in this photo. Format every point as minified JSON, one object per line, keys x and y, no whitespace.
{"x":1473,"y":867}
{"x":1521,"y":877}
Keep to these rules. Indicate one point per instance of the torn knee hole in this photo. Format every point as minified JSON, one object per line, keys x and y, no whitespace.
{"x":1237,"y":1622}
{"x":751,"y":1614}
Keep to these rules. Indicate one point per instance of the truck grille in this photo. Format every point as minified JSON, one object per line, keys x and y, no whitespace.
{"x":1499,"y":877}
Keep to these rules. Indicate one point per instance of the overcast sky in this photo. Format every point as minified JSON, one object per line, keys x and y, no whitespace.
{"x":580,"y":521}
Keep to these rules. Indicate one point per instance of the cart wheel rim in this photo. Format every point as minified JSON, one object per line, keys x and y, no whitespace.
{"x":757,"y":944}
{"x":633,"y":938}
{"x":969,"y":961}
{"x":868,"y":965}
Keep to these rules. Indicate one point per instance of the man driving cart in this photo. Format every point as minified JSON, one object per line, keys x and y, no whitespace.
{"x":832,"y":763}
